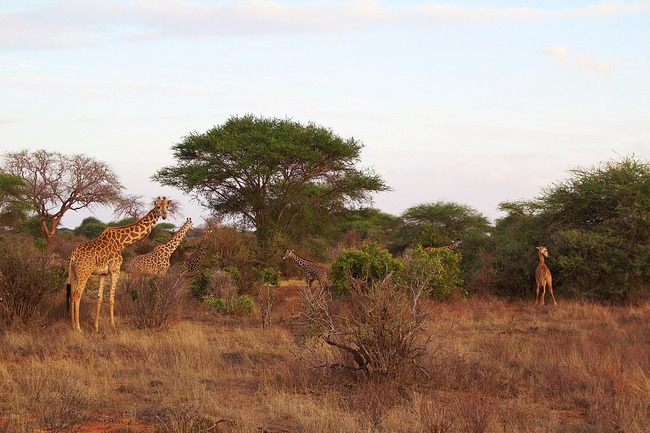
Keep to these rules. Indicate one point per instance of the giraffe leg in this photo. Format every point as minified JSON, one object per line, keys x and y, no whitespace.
{"x":74,"y":312}
{"x":75,"y":300}
{"x":537,"y":295}
{"x":111,"y":297}
{"x":543,"y":293}
{"x":550,"y":289}
{"x":100,"y":298}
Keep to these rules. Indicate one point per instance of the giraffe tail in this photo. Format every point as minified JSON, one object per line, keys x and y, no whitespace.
{"x":68,"y":293}
{"x":72,"y":275}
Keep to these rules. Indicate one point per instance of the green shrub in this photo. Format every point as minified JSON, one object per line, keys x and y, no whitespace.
{"x":369,"y":265}
{"x":234,"y":272}
{"x":200,"y":283}
{"x":436,"y":273}
{"x":240,"y":305}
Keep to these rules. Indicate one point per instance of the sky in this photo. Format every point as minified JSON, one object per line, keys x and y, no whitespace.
{"x":472,"y":102}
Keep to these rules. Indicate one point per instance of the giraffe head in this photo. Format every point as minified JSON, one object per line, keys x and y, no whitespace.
{"x":455,"y":244}
{"x":161,"y":206}
{"x":288,"y":253}
{"x":543,"y":250}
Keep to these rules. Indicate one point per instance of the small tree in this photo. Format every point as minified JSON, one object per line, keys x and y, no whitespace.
{"x":270,"y":283}
{"x":57,"y":183}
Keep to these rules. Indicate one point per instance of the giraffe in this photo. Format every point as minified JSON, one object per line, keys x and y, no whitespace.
{"x":156,"y":261}
{"x":192,"y":262}
{"x":543,"y":276}
{"x":452,"y":246}
{"x":103,"y":256}
{"x":312,"y":270}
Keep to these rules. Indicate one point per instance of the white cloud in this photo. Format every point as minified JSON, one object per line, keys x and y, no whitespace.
{"x":74,"y":23}
{"x":566,"y":56}
{"x":559,"y":52}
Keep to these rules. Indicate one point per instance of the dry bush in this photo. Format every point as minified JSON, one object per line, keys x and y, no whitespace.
{"x":222,"y":285}
{"x":28,"y":279}
{"x":156,"y":300}
{"x":437,"y":413}
{"x":476,"y":411}
{"x":374,"y":399}
{"x":375,"y":330}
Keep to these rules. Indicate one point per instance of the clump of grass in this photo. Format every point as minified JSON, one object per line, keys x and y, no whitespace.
{"x":56,"y":393}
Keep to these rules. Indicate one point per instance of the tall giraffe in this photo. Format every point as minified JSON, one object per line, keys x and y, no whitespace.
{"x":103,"y":256}
{"x":452,"y":246}
{"x":192,"y":262}
{"x":312,"y":270}
{"x":543,"y":276}
{"x":156,"y":261}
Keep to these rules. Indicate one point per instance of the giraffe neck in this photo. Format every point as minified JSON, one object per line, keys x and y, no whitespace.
{"x":126,"y":235}
{"x":300,"y":261}
{"x":170,"y":246}
{"x":541,"y":257}
{"x":200,"y":250}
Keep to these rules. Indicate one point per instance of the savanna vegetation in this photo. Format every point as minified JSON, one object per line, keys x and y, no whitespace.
{"x":404,"y":340}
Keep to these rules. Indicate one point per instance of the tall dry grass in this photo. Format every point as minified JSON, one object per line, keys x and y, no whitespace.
{"x":491,"y":367}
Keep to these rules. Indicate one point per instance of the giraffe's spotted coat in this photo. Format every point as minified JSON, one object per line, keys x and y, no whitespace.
{"x":312,"y":270}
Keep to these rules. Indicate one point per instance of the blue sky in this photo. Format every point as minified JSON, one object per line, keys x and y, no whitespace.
{"x":475,"y":102}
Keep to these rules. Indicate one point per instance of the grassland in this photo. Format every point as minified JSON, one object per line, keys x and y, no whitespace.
{"x":491,"y":366}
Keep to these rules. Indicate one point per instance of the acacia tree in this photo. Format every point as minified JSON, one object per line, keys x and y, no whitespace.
{"x":57,"y":183}
{"x":274,"y":176}
{"x":441,"y":222}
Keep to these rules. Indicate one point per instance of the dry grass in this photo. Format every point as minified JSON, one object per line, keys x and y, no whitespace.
{"x":492,"y":367}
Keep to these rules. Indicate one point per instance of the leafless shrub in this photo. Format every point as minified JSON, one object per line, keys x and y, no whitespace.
{"x":156,"y":300}
{"x":377,"y":332}
{"x":222,"y":285}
